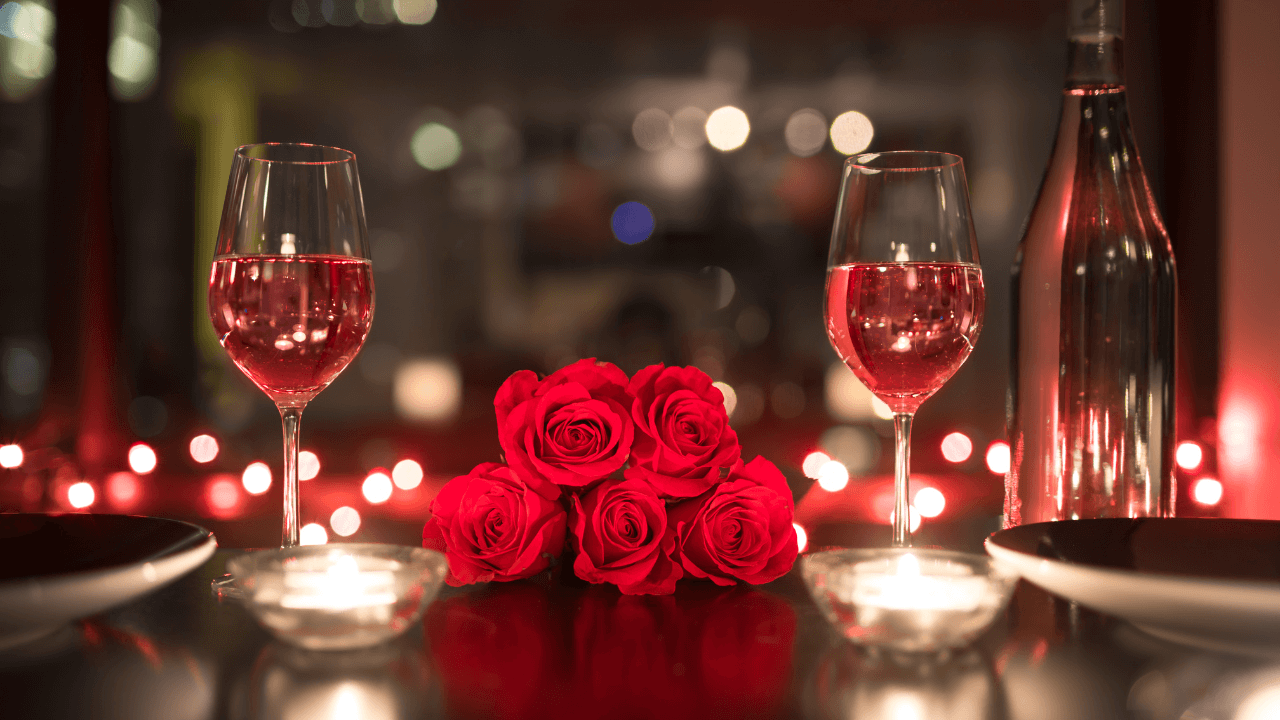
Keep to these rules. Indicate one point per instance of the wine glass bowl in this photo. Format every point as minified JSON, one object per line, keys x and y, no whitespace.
{"x":291,"y":288}
{"x":904,"y":300}
{"x":291,"y":323}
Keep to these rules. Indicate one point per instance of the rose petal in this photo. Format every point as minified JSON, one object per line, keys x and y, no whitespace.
{"x":740,"y":530}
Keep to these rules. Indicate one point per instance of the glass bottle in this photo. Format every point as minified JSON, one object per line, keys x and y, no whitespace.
{"x":1091,"y":384}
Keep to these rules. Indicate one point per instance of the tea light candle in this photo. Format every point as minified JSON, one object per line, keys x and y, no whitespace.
{"x":335,"y":597}
{"x":916,"y":600}
{"x":341,"y":586}
{"x":901,"y":585}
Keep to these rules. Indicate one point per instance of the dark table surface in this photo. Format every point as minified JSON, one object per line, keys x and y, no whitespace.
{"x":555,"y":647}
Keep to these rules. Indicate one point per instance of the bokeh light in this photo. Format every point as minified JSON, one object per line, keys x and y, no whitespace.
{"x":727,"y":128}
{"x":345,"y":521}
{"x":913,"y":516}
{"x":1189,"y":455}
{"x":833,"y":476}
{"x":204,"y":448}
{"x":428,"y":389}
{"x":123,"y":489}
{"x":806,"y":132}
{"x":802,"y":537}
{"x":1261,"y":703}
{"x":80,"y":495}
{"x":11,"y":456}
{"x":632,"y":222}
{"x":436,"y":146}
{"x":415,"y":12}
{"x":27,"y":55}
{"x":376,"y":487}
{"x":848,"y":400}
{"x":312,"y":534}
{"x":134,"y":56}
{"x":813,"y":463}
{"x":998,"y":457}
{"x":857,"y":447}
{"x":679,"y":170}
{"x":726,"y":286}
{"x":930,"y":502}
{"x":652,"y":129}
{"x":1207,"y":491}
{"x":730,"y":396}
{"x":142,"y":459}
{"x":957,"y":447}
{"x":256,"y":478}
{"x":308,"y":465}
{"x":407,"y":474}
{"x":688,"y":129}
{"x":223,"y":495}
{"x":851,"y":132}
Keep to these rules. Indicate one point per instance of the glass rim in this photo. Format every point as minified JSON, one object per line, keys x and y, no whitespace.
{"x":270,"y":561}
{"x":936,"y":160}
{"x":243,"y":152}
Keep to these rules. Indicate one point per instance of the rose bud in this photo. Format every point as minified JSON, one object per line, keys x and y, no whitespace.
{"x":683,"y":439}
{"x":620,"y":530}
{"x":571,"y":428}
{"x":740,"y":529}
{"x":492,"y":526}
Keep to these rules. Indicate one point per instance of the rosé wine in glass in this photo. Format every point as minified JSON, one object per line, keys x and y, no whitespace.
{"x":291,"y":323}
{"x":904,"y":328}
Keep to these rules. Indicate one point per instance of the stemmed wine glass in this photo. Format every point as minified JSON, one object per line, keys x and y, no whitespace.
{"x":904,"y":290}
{"x":291,"y":290}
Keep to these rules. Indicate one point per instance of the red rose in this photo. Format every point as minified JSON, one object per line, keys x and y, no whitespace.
{"x":571,"y":429}
{"x":492,"y":526}
{"x":739,"y":530}
{"x":620,"y":529}
{"x":683,"y":438}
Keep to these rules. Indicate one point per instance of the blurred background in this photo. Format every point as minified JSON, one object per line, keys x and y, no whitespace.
{"x":545,"y":181}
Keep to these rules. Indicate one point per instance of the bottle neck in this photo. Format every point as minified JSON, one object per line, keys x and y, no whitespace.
{"x":1095,"y":32}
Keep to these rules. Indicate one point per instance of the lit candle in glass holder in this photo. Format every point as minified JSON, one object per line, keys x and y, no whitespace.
{"x":341,"y":586}
{"x":900,"y":585}
{"x":335,"y":597}
{"x":915,"y":600}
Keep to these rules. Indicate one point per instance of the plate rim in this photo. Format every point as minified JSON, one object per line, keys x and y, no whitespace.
{"x":77,"y":575}
{"x":1128,"y":573}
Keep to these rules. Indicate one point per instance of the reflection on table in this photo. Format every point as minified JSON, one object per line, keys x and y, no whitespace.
{"x":556,"y":647}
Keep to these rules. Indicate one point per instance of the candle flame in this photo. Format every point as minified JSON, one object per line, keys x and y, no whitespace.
{"x":908,"y":565}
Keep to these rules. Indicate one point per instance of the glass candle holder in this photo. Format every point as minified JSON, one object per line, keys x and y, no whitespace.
{"x":908,"y":599}
{"x":337,"y":597}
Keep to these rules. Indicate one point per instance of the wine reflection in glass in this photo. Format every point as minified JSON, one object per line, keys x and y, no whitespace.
{"x":291,"y":290}
{"x":904,"y":290}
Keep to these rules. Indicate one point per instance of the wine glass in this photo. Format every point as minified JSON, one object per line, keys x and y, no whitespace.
{"x":291,"y":291}
{"x":904,"y":291}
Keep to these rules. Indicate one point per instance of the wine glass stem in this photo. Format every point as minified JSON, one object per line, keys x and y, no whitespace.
{"x":901,"y":476}
{"x":292,"y":418}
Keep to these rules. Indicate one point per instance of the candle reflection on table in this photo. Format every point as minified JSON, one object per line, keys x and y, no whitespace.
{"x":386,"y":682}
{"x":850,"y":683}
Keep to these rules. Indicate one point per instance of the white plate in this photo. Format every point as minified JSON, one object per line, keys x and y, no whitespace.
{"x":1203,"y":581}
{"x":57,"y":568}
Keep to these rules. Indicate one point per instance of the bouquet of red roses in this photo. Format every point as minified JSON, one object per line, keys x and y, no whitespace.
{"x":642,"y":476}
